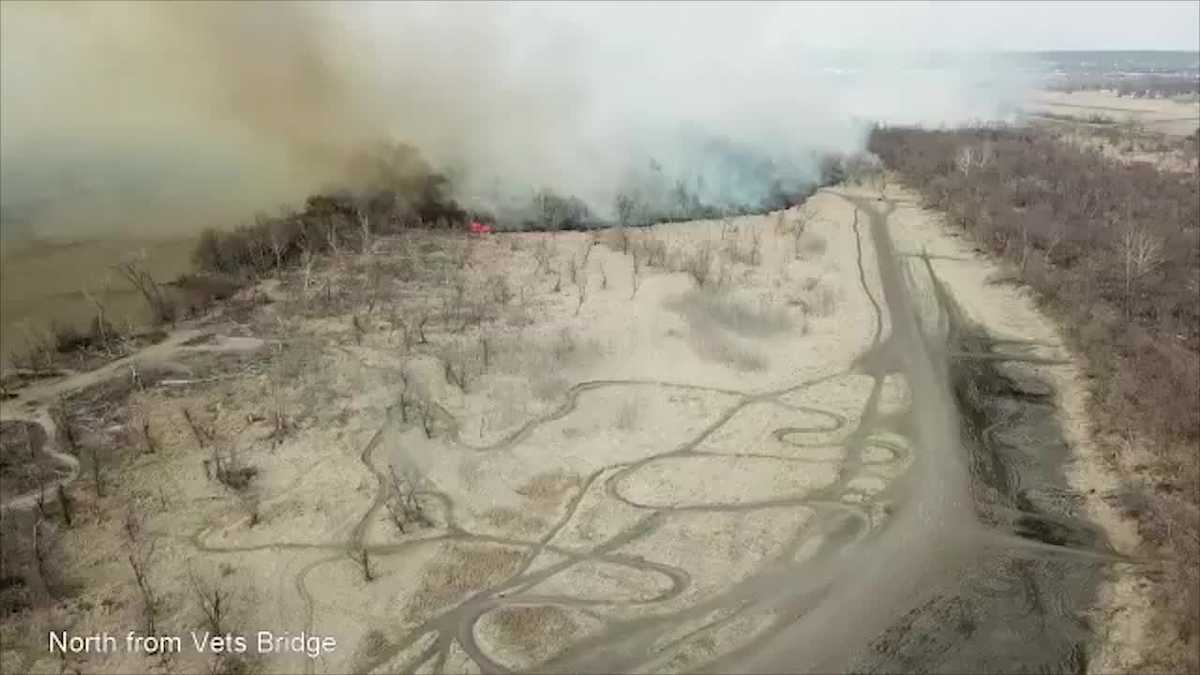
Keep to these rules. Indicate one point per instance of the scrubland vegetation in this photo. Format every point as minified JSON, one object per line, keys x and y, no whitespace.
{"x":1113,"y":250}
{"x":1144,"y":85}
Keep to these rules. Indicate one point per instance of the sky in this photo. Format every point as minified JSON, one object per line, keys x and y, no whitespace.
{"x":1009,"y":25}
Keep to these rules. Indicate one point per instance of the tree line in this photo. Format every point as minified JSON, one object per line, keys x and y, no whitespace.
{"x":1113,"y":250}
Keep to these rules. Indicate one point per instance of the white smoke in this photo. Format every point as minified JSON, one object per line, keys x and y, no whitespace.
{"x":166,"y":117}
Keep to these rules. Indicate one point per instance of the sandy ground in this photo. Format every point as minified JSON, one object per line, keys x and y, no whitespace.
{"x":606,"y":455}
{"x":1174,"y":117}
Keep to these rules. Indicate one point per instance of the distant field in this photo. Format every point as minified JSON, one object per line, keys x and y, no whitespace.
{"x":1171,"y":116}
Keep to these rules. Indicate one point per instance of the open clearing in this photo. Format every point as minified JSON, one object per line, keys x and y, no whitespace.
{"x":722,"y":444}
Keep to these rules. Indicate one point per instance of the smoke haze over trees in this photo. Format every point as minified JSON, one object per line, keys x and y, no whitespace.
{"x":164,"y":119}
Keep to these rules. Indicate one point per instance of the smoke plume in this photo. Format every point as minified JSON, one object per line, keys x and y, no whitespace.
{"x":161,"y":118}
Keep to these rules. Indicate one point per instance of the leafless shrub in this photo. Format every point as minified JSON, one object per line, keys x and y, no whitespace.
{"x":1141,"y":253}
{"x":134,"y":271}
{"x":463,"y":253}
{"x":582,"y":294}
{"x":573,"y":270}
{"x":46,"y":542}
{"x":233,"y":474}
{"x":376,"y":284}
{"x":542,"y":254}
{"x":587,"y":252}
{"x":730,"y":312}
{"x":799,"y":227}
{"x":403,"y":504}
{"x":148,"y":443}
{"x":698,"y":265}
{"x":454,"y":303}
{"x":420,"y":320}
{"x":203,"y":436}
{"x":750,"y":254}
{"x":636,"y":274}
{"x":501,"y":291}
{"x":102,"y":330}
{"x":96,"y":464}
{"x":425,"y":415}
{"x":360,"y":328}
{"x":655,"y":252}
{"x":214,"y":600}
{"x":141,"y":558}
{"x":816,"y":298}
{"x":39,"y":352}
{"x":66,"y":505}
{"x":485,"y":351}
{"x":361,"y":556}
{"x":64,"y":421}
{"x":364,"y":224}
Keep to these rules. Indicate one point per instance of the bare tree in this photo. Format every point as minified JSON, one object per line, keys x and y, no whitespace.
{"x":803,"y":219}
{"x":403,"y":504}
{"x":331,"y":233}
{"x":151,"y":446}
{"x":214,"y":602}
{"x":64,"y":420}
{"x":364,"y":226}
{"x":699,"y":264}
{"x":965,"y":160}
{"x":542,"y":255}
{"x":44,"y":542}
{"x":141,"y":556}
{"x":637,"y":263}
{"x":419,"y":322}
{"x":135,"y":272}
{"x":573,"y":270}
{"x":582,"y":294}
{"x":101,"y":323}
{"x":277,"y":239}
{"x":427,"y":418}
{"x":1141,"y":253}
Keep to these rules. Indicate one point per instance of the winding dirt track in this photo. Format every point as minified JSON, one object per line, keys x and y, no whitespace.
{"x":819,"y":612}
{"x":843,"y":522}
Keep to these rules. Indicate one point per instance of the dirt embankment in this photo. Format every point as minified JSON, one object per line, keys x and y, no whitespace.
{"x":586,"y":452}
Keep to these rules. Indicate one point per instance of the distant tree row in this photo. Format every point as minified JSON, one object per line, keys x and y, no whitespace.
{"x":1138,"y":86}
{"x":397,"y":189}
